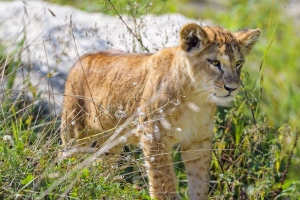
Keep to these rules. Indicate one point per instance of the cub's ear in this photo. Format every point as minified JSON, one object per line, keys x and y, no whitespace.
{"x":246,"y":38}
{"x":192,"y":36}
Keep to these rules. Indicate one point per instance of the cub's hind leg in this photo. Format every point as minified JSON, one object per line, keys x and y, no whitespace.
{"x":74,"y":133}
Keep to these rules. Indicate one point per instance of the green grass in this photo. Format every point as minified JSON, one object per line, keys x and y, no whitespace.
{"x":253,"y":139}
{"x":28,"y":171}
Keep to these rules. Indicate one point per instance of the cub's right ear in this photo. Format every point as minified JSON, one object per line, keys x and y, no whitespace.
{"x":192,"y":36}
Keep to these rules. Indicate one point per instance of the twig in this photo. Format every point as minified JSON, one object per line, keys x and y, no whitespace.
{"x":285,"y":172}
{"x":252,"y":110}
{"x":140,"y":41}
{"x":221,"y":166}
{"x":289,"y":160}
{"x":49,"y":79}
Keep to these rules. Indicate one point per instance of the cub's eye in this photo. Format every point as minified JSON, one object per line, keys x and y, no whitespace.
{"x":239,"y":63}
{"x":215,"y":63}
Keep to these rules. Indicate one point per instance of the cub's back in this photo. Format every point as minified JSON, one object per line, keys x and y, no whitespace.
{"x":105,"y":71}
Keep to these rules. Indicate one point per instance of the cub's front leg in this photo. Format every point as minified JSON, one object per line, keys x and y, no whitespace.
{"x":197,"y":157}
{"x":159,"y":165}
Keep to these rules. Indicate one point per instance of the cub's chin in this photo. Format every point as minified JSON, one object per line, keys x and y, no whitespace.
{"x":225,"y":101}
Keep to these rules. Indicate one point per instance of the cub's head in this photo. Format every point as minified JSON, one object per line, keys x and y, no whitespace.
{"x":215,"y":58}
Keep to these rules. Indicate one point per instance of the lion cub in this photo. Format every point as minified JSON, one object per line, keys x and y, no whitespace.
{"x":157,"y":101}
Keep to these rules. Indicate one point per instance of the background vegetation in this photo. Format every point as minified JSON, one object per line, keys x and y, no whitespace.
{"x":257,"y":155}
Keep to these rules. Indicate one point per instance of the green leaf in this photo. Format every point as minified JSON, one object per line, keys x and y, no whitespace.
{"x":85,"y":173}
{"x":27,"y":180}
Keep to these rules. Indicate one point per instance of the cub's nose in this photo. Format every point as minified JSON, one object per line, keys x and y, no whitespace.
{"x":230,"y":88}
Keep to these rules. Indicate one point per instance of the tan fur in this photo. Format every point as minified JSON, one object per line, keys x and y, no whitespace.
{"x":172,"y":95}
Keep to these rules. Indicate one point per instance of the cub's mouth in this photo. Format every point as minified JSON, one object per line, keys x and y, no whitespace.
{"x":226,"y":98}
{"x":222,"y":100}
